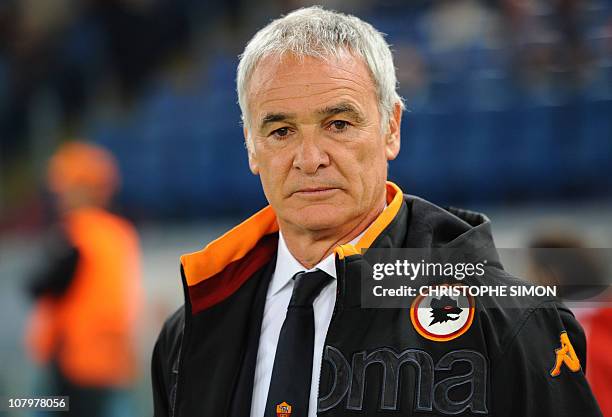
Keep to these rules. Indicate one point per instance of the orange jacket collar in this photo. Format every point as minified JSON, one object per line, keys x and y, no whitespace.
{"x":240,"y":240}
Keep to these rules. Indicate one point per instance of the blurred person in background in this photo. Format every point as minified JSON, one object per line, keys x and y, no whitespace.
{"x":580,"y":275}
{"x":598,"y":327}
{"x":88,"y":295}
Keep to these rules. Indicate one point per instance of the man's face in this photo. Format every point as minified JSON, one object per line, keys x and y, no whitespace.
{"x":317,"y":141}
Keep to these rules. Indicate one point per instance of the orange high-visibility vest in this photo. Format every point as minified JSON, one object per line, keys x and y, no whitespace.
{"x":90,"y":329}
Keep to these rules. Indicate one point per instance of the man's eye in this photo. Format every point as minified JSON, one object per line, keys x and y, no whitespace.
{"x":282,"y":132}
{"x":339,"y":125}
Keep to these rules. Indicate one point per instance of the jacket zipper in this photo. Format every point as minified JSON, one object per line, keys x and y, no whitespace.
{"x":340,"y":278}
{"x":184,"y":336}
{"x":178,"y":374}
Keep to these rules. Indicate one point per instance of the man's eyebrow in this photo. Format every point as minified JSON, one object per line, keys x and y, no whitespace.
{"x":339,"y":108}
{"x":275,"y":117}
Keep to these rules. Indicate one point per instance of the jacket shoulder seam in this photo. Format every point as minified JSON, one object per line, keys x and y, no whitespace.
{"x":519,"y":327}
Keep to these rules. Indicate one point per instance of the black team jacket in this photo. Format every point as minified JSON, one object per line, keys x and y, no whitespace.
{"x":376,"y":361}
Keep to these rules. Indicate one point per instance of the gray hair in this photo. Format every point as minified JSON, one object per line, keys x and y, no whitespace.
{"x":316,"y":32}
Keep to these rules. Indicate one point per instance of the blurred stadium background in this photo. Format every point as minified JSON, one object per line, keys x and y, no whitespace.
{"x":509,"y":111}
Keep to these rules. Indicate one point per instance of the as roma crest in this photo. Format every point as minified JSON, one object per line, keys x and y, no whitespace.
{"x":442,"y":318}
{"x":283,"y":410}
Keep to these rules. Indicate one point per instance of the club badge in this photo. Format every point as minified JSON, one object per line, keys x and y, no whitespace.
{"x":442,"y":318}
{"x":283,"y":410}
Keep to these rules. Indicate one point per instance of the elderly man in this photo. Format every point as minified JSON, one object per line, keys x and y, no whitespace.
{"x":273,"y":323}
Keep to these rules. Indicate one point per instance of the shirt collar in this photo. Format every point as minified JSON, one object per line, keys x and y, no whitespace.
{"x":287,"y":266}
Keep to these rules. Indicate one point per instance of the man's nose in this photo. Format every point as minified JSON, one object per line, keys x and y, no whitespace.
{"x":310,"y":155}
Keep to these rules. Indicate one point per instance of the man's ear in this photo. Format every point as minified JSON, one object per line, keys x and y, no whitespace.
{"x":250,"y":151}
{"x":392,"y":138}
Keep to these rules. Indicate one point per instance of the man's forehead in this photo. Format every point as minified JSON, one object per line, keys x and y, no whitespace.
{"x":278,"y":79}
{"x":288,"y":67}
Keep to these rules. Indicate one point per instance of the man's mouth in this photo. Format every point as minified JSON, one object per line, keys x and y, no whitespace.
{"x":315,"y":191}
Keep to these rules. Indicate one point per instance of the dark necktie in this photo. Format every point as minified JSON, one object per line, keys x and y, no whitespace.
{"x":289,"y":391}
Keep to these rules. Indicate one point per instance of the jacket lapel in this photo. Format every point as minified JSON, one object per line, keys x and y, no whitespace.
{"x":221,"y":342}
{"x":243,"y":392}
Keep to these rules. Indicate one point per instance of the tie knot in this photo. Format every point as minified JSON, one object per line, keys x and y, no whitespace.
{"x":307,"y":287}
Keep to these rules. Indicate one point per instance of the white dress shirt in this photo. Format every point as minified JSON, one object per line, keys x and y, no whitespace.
{"x":275,"y":311}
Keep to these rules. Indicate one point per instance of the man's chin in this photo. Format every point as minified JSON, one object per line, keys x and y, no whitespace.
{"x":319,"y":217}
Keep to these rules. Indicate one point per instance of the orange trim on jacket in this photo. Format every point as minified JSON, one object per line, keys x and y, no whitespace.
{"x":229,"y":248}
{"x":236,"y":244}
{"x":395,"y":197}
